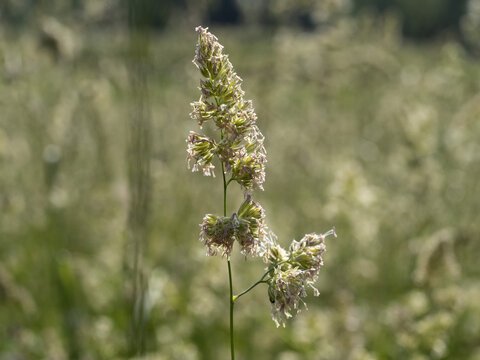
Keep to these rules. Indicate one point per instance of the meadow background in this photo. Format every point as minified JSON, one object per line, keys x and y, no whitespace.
{"x":371,"y":113}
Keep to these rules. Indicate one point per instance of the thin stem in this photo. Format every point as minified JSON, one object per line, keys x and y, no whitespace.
{"x":231,"y":179}
{"x":251,"y":287}
{"x":261,"y":280}
{"x":232,"y":338}
{"x":232,"y":342}
{"x":225,"y":185}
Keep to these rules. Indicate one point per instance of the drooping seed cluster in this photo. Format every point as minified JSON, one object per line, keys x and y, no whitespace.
{"x":239,"y":149}
{"x":292,"y":272}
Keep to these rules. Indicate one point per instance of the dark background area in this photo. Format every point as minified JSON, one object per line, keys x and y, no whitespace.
{"x":419,"y":20}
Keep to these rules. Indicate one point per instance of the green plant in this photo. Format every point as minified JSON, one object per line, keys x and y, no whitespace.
{"x":239,"y":149}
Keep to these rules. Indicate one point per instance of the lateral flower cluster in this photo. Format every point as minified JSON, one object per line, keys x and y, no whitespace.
{"x":292,"y":272}
{"x":239,"y":149}
{"x":247,"y":226}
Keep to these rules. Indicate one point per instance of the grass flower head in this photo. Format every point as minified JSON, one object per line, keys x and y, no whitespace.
{"x":238,"y":147}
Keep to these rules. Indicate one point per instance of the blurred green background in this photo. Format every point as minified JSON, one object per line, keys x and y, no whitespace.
{"x":371,"y":112}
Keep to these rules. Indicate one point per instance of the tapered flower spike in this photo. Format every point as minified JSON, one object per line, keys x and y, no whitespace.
{"x":240,"y":147}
